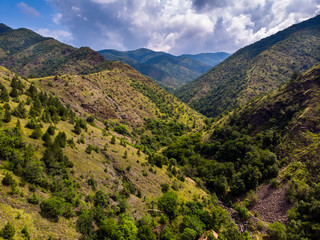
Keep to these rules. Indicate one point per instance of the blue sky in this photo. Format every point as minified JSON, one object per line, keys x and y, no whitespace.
{"x":175,"y":26}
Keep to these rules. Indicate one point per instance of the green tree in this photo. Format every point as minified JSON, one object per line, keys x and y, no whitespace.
{"x":8,"y":180}
{"x":188,"y":234}
{"x":14,"y":92}
{"x":7,"y":116}
{"x":77,"y":128}
{"x":145,"y":233}
{"x":4,"y":95}
{"x":113,"y":140}
{"x":52,"y":206}
{"x":276,"y":231}
{"x":168,"y":203}
{"x":37,"y":132}
{"x":8,"y":231}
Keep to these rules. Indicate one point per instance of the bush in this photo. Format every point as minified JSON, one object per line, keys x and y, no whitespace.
{"x":34,"y":199}
{"x":37,"y":133}
{"x":188,"y":234}
{"x":8,"y":231}
{"x":52,"y":206}
{"x":169,"y":204}
{"x":8,"y":180}
{"x":276,"y":231}
{"x":165,"y":187}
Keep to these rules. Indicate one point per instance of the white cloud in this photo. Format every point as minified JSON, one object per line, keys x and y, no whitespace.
{"x":26,"y":9}
{"x":103,"y":2}
{"x":178,"y":26}
{"x":57,"y":18}
{"x":60,"y":35}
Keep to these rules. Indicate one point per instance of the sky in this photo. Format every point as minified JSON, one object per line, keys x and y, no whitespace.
{"x":173,"y":26}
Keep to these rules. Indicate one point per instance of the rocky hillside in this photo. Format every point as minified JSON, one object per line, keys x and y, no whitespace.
{"x":255,"y":69}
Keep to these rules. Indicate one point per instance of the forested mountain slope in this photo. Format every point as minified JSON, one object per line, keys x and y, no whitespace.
{"x":275,"y":137}
{"x":63,"y":176}
{"x":169,"y":71}
{"x":255,"y":69}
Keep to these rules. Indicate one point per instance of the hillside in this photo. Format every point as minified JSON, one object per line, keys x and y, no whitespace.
{"x":59,"y":171}
{"x":29,"y":54}
{"x":211,"y":59}
{"x":263,"y":158}
{"x":167,"y":70}
{"x":255,"y":69}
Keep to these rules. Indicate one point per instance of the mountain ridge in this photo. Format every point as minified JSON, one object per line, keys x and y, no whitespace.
{"x":30,"y":54}
{"x":223,"y":87}
{"x":168,"y":70}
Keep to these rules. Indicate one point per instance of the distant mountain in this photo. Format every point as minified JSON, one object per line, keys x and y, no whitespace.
{"x":27,"y":53}
{"x":211,"y":59}
{"x":167,"y":70}
{"x":255,"y":69}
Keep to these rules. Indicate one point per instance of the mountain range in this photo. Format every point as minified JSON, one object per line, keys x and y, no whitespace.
{"x":93,"y":149}
{"x":169,"y":71}
{"x":255,"y":69}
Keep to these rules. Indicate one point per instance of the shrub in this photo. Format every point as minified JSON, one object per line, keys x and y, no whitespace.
{"x":37,"y":133}
{"x":34,"y":199}
{"x":52,"y":206}
{"x":8,"y":180}
{"x":276,"y":231}
{"x":8,"y":231}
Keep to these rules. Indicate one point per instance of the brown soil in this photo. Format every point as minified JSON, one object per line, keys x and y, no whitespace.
{"x":272,"y":203}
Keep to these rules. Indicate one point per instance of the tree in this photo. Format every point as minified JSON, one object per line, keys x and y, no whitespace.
{"x":53,"y":206}
{"x":8,"y":180}
{"x":4,"y":95}
{"x":188,"y":234}
{"x":113,"y":140}
{"x":37,"y":132}
{"x":14,"y":92}
{"x":145,"y":233}
{"x":276,"y":231}
{"x":8,"y":231}
{"x":169,"y":204}
{"x":77,"y":128}
{"x":7,"y":116}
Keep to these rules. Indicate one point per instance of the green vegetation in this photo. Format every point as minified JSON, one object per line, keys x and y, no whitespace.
{"x":254,"y":70}
{"x":30,"y":54}
{"x":168,"y":71}
{"x":111,"y":155}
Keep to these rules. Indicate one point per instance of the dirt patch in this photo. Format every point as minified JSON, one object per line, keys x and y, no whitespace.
{"x":272,"y":204}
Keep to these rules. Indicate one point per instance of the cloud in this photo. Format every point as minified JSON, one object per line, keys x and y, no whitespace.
{"x":61,"y":35}
{"x":56,"y":18}
{"x":180,"y":26}
{"x":26,"y":9}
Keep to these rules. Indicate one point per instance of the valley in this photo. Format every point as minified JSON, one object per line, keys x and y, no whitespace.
{"x":93,"y":149}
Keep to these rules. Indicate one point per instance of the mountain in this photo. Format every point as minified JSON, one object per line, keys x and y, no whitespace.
{"x":169,"y":71}
{"x":110,"y":154}
{"x":30,"y":54}
{"x":61,"y":168}
{"x":255,"y":69}
{"x":286,"y":122}
{"x":210,"y":59}
{"x":262,"y":159}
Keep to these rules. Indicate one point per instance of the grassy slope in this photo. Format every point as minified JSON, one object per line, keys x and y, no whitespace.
{"x":28,"y":53}
{"x":255,"y":69}
{"x":121,"y":93}
{"x":86,"y":165}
